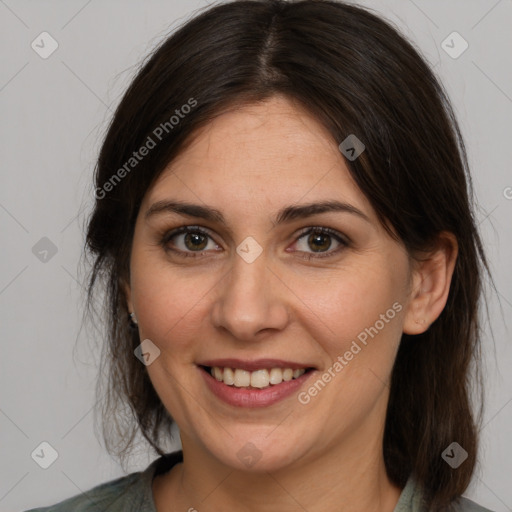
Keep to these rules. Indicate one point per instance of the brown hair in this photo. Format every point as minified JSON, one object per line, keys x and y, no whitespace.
{"x":357,"y":75}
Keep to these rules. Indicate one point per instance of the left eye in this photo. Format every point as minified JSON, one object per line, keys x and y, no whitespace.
{"x":195,"y":241}
{"x":320,"y":239}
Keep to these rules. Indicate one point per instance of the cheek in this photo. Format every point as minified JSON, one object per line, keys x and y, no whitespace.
{"x":355,"y":301}
{"x":174,"y":304}
{"x":360,"y":331}
{"x":169,"y":302}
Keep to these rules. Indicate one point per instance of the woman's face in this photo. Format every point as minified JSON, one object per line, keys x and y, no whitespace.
{"x":259,"y":285}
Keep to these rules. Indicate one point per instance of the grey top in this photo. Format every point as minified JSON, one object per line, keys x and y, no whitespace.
{"x":133,"y":493}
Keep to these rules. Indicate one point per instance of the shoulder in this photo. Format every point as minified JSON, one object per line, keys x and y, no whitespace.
{"x":115,"y":495}
{"x":129,"y":493}
{"x":412,"y":500}
{"x":466,"y":505}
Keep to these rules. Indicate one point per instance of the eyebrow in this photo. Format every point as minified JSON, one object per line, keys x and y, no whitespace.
{"x":287,"y":214}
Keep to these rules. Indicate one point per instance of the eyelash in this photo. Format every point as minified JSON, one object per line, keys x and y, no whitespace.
{"x":306,"y":231}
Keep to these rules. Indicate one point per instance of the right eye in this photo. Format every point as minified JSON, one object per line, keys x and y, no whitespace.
{"x":195,"y":240}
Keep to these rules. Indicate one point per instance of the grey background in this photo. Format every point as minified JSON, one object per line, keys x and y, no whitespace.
{"x":54,"y":112}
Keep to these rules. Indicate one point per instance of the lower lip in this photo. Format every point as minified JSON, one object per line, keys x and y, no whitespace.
{"x":242,"y":397}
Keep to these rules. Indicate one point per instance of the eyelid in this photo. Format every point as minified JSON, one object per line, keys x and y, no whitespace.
{"x":342,"y":239}
{"x":169,"y":234}
{"x":325,"y":230}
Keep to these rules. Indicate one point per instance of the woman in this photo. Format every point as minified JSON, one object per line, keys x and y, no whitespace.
{"x":283,"y":221}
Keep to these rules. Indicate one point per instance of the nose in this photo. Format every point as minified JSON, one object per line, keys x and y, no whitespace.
{"x":250,"y":299}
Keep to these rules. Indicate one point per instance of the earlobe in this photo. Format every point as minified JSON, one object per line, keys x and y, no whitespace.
{"x":431,"y":285}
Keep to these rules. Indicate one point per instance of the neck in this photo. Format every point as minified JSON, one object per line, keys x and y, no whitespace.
{"x":347,"y":477}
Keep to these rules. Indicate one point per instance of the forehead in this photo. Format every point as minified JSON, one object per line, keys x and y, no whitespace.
{"x":272,"y":152}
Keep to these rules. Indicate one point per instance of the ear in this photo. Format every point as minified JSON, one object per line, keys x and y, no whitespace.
{"x":431,"y":279}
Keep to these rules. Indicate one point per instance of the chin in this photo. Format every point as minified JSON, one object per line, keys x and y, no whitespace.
{"x":259,"y":453}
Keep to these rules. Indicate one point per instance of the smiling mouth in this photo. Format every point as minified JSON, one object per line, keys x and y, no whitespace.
{"x":258,"y":379}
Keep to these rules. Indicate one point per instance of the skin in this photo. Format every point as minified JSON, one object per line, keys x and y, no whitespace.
{"x":325,"y":455}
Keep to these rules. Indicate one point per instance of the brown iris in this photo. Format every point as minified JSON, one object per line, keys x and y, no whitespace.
{"x":316,"y":237}
{"x":194,"y":238}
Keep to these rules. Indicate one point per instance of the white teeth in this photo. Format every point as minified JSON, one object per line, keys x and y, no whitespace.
{"x":257,"y":379}
{"x":287,"y":374}
{"x":229,"y":376}
{"x":260,"y":379}
{"x":276,"y":376}
{"x":242,"y":378}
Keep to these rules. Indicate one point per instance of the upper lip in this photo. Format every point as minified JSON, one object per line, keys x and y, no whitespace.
{"x":255,"y":364}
